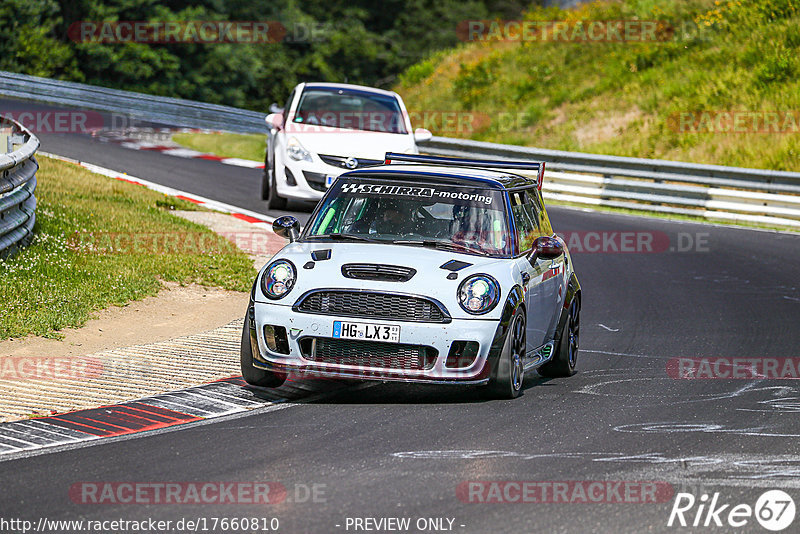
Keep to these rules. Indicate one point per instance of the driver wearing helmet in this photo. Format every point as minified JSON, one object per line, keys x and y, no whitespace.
{"x":473,"y":229}
{"x":397,"y":218}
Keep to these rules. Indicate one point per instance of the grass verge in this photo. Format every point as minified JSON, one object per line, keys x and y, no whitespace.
{"x":668,"y":98}
{"x":102,"y":242}
{"x":226,"y":145}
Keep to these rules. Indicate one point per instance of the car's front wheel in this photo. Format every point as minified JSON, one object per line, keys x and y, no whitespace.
{"x":508,"y":374}
{"x":253,"y":375}
{"x":265,"y":180}
{"x":566,"y":357}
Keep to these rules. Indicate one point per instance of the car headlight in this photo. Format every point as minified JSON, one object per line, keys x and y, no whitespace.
{"x":278,"y":279}
{"x":296,"y":151}
{"x":478,"y":294}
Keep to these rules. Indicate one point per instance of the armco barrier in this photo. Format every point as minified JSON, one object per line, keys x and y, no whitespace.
{"x":159,"y":109}
{"x":17,"y":185}
{"x":711,"y":191}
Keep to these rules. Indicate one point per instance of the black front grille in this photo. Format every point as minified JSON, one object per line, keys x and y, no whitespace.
{"x":315,"y":180}
{"x":340,"y":161}
{"x":375,"y":271}
{"x":368,"y":353}
{"x":369,"y":305}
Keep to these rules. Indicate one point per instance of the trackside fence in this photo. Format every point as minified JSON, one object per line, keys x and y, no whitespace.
{"x":17,"y":186}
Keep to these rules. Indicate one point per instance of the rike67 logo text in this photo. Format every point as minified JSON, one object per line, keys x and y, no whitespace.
{"x":774,"y":510}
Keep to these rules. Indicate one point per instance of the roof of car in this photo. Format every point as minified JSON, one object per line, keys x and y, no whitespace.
{"x":447,"y":174}
{"x":352,"y":87}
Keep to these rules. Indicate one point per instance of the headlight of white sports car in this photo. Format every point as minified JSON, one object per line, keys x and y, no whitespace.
{"x":296,"y":151}
{"x":478,"y":294}
{"x":278,"y":279}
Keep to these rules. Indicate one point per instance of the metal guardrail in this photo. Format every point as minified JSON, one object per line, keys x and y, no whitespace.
{"x":674,"y":187}
{"x":17,"y":185}
{"x":157,"y":109}
{"x":710,"y":191}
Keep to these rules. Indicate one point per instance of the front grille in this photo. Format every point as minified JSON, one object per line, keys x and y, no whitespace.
{"x":369,"y":305}
{"x":368,"y":353}
{"x":315,"y":180}
{"x":375,"y":271}
{"x":339,"y":161}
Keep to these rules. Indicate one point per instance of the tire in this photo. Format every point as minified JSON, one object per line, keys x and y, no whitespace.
{"x":265,"y":185}
{"x":253,"y":375}
{"x":274,"y":202}
{"x":565,"y":358}
{"x":508,"y":374}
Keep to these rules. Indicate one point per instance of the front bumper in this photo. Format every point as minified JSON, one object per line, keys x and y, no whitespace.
{"x":303,"y":327}
{"x":309,"y":178}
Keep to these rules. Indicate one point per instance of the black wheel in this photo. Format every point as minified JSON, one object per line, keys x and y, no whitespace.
{"x":566,"y":356}
{"x":508,"y":374}
{"x":274,"y":202}
{"x":253,"y":375}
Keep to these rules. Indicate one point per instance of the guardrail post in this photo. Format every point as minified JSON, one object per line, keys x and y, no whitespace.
{"x":5,"y":140}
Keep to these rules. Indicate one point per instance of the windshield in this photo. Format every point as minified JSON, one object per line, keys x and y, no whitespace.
{"x":464,"y":219}
{"x":351,"y":110}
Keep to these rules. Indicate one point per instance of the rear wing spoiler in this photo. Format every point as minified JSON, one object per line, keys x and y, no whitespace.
{"x":535,"y":166}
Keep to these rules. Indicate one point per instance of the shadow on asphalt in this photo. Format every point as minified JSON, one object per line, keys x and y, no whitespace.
{"x":367,"y":392}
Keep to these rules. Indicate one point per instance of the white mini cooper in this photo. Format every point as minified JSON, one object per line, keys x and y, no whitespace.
{"x":424,"y":269}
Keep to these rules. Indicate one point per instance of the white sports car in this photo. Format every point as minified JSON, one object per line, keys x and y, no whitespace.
{"x":426,"y":269}
{"x":326,"y":129}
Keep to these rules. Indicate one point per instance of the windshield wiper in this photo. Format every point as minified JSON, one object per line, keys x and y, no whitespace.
{"x":351,"y":237}
{"x":432,"y":243}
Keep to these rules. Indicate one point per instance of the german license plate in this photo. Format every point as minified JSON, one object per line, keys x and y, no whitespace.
{"x":329,"y":180}
{"x":366,"y":331}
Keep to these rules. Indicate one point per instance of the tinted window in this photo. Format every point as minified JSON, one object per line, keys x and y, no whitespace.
{"x":463,"y":218}
{"x":349,"y":109}
{"x":527,"y":217}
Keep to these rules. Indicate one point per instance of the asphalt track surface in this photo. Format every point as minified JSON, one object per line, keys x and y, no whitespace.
{"x":392,"y":450}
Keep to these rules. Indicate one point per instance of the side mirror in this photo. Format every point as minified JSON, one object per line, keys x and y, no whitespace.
{"x":546,"y":248}
{"x":274,"y":120}
{"x":287,"y":227}
{"x":274,"y":108}
{"x":421,"y":135}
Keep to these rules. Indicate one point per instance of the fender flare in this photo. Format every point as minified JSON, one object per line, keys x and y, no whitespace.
{"x":514,"y":300}
{"x":573,"y":292}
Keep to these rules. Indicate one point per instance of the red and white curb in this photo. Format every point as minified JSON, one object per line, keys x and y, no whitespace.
{"x":172,"y":149}
{"x":259,"y":219}
{"x":222,"y":398}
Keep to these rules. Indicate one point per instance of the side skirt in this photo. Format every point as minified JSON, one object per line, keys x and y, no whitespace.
{"x":542,"y":355}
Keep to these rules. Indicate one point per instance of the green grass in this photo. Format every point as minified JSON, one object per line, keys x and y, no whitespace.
{"x":623,"y":98}
{"x":92,"y":250}
{"x":226,"y":145}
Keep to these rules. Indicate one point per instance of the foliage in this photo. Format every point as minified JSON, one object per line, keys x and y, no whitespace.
{"x":355,"y":41}
{"x":623,"y":98}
